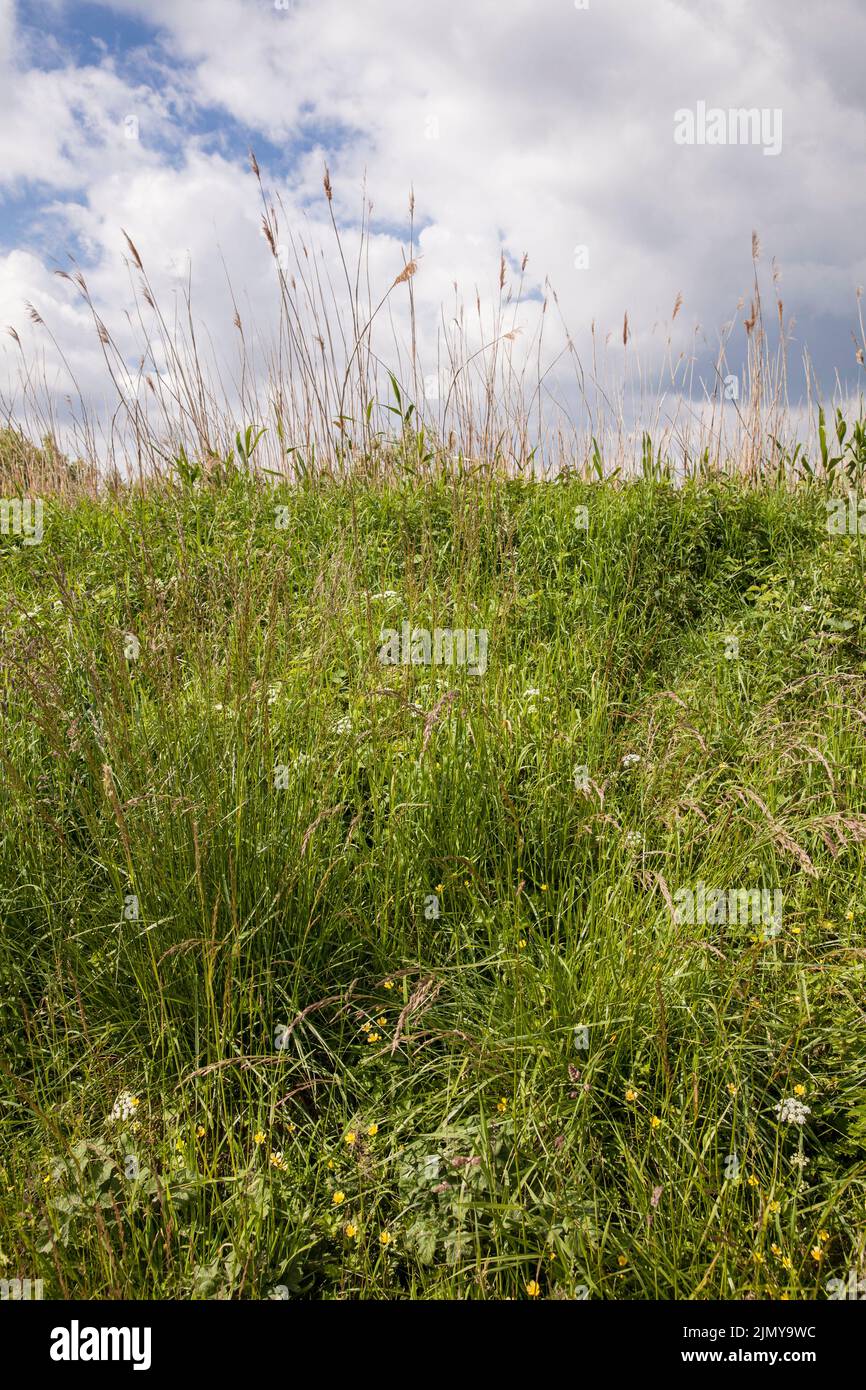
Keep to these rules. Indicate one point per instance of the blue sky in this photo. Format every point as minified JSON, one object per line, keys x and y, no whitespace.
{"x":532,"y":127}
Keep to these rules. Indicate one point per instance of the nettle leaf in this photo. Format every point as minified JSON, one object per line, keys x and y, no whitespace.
{"x":421,"y":1238}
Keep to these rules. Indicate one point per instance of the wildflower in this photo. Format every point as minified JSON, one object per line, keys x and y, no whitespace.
{"x":385,"y":1238}
{"x":47,"y":1178}
{"x":799,"y":1090}
{"x":389,"y":984}
{"x":338,"y":1198}
{"x":351,"y":1137}
{"x":179,"y":1145}
{"x":533,"y":1288}
{"x":440,"y":888}
{"x":344,"y":725}
{"x":124,"y":1107}
{"x":351,"y":1230}
{"x":630,"y":1095}
{"x":372,"y":1130}
{"x":823,"y":1237}
{"x":366,"y":1026}
{"x":792,"y":1112}
{"x":786,"y":1262}
{"x":373,"y":1037}
{"x":544,"y":887}
{"x":849,"y":916}
{"x":622,"y":1261}
{"x":774,"y":1207}
{"x":199,"y":1133}
{"x":521,"y":945}
{"x":655,"y":1122}
{"x":758,"y":1257}
{"x":330,"y":1163}
{"x":381,"y":1021}
{"x":631,"y":760}
{"x":259,"y":1137}
{"x":276,"y":1160}
{"x":732,"y":1089}
{"x":776,"y":1249}
{"x":753,"y":1181}
{"x":502,"y":1105}
{"x":613,"y":1037}
{"x":817,"y":1253}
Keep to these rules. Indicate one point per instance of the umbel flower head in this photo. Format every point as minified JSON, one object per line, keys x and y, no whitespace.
{"x":792,"y":1111}
{"x":124,"y":1107}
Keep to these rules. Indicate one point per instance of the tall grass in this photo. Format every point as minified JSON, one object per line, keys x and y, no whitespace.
{"x":334,"y":924}
{"x":345,"y":380}
{"x":321,"y":976}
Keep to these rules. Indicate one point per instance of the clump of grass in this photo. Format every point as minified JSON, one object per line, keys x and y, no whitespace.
{"x":325,"y":977}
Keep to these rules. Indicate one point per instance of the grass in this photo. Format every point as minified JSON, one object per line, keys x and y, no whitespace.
{"x":377,"y":966}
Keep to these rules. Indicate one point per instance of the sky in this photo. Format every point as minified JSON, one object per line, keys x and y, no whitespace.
{"x":567,"y":133}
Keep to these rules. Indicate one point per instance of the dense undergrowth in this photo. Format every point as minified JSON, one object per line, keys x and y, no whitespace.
{"x":331,"y":978}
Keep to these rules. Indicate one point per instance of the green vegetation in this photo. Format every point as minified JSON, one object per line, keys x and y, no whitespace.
{"x":385,"y":992}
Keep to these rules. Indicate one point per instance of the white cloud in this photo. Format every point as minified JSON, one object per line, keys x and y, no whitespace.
{"x":530,"y":127}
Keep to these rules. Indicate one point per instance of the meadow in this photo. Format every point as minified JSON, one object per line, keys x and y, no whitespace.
{"x":329,"y":977}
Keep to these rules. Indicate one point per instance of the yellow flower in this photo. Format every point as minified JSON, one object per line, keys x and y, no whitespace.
{"x":440,"y":888}
{"x":622,"y":1261}
{"x":655,"y":1121}
{"x":366,"y":1026}
{"x":179,"y":1145}
{"x":389,"y":984}
{"x":351,"y":1137}
{"x":384,"y":1238}
{"x":373,"y":1037}
{"x":382,"y":1021}
{"x":613,"y":1037}
{"x":47,"y":1178}
{"x":799,"y":1090}
{"x":338,"y":1198}
{"x":823,"y":1237}
{"x":817,"y":1253}
{"x":795,"y":931}
{"x":372,"y":1130}
{"x":134,"y":1102}
{"x":732,"y":1089}
{"x":533,"y":1288}
{"x":199,"y":1134}
{"x":259,"y":1137}
{"x":786,"y":1262}
{"x":330,"y":1163}
{"x":502,"y":1105}
{"x":276,"y":1160}
{"x":757,"y":1257}
{"x":630,"y":1094}
{"x":776,"y":1249}
{"x":753,"y":1181}
{"x":785,"y":1297}
{"x":351,"y":1230}
{"x":849,"y":916}
{"x":521,"y":945}
{"x":544,"y":887}
{"x":773,"y":1207}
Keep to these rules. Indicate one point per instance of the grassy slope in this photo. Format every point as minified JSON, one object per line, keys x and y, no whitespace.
{"x":494,"y":1163}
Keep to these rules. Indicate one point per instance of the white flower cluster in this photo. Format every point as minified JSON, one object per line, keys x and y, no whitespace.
{"x":792,"y":1111}
{"x":124,"y":1107}
{"x":631,"y":760}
